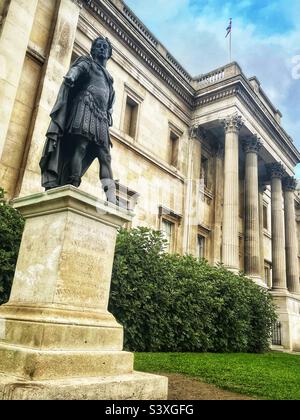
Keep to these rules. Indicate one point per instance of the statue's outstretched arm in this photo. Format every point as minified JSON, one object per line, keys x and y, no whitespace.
{"x":80,"y":67}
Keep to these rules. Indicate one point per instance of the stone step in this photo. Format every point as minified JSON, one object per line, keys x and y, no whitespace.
{"x":133,"y":386}
{"x":42,"y":365}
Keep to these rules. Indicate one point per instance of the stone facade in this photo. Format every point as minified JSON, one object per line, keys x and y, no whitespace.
{"x":205,"y":157}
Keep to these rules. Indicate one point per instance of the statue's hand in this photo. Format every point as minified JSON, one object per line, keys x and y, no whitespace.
{"x":69,"y":81}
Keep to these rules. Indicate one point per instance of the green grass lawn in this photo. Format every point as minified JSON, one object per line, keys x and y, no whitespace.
{"x":273,"y":376}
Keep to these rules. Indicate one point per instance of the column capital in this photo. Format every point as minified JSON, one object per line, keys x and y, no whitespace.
{"x":197,"y":132}
{"x":233,"y":123}
{"x":289,"y":183}
{"x":276,"y":170}
{"x":252,"y":144}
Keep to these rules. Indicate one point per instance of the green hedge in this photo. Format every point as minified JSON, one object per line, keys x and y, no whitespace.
{"x":11,"y":228}
{"x":174,"y":303}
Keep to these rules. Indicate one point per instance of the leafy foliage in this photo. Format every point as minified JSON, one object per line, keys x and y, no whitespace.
{"x":179,"y":303}
{"x":11,"y":228}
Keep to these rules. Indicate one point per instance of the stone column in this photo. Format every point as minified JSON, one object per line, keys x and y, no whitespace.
{"x":278,"y":235}
{"x":252,"y":145}
{"x":57,"y":66}
{"x":291,"y":244}
{"x":13,"y":47}
{"x":230,"y":237}
{"x":218,"y":208}
{"x":192,"y":190}
{"x":262,"y":189}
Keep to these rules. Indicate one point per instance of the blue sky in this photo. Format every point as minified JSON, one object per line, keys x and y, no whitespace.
{"x":266,"y":42}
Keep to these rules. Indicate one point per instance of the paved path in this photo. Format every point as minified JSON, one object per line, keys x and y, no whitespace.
{"x":184,"y":388}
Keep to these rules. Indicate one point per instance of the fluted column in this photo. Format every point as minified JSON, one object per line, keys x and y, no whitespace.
{"x":252,"y":145}
{"x":192,"y":190}
{"x":218,"y":208}
{"x":291,"y":244}
{"x":262,"y":189}
{"x":278,"y":234}
{"x":230,"y":237}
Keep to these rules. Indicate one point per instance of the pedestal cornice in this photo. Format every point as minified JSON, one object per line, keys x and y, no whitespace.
{"x":69,"y":198}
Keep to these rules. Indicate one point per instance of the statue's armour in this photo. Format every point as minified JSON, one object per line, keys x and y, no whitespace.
{"x":88,"y":116}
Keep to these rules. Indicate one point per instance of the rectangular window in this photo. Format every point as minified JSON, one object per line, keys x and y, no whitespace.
{"x":168,"y":229}
{"x":131,"y":116}
{"x":174,"y":140}
{"x":204,"y":171}
{"x":265,"y":217}
{"x":268,"y":274}
{"x":201,"y":246}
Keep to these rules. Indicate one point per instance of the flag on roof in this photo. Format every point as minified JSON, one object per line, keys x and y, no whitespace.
{"x":229,"y":29}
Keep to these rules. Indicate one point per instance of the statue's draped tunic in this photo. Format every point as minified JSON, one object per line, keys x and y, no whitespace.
{"x":83,"y":110}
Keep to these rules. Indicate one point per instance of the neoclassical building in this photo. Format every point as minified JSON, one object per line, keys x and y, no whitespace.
{"x":204,"y":159}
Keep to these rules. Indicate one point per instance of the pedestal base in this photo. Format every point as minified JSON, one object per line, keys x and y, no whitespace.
{"x":134,"y":386}
{"x":57,"y":339}
{"x":288,"y":309}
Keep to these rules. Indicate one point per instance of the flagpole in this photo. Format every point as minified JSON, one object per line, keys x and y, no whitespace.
{"x":229,"y":32}
{"x":230,"y":47}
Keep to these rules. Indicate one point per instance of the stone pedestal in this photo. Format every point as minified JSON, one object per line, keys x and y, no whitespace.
{"x":57,"y":339}
{"x":288,"y":310}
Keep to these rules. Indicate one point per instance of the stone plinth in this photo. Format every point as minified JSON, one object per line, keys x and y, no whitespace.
{"x":56,"y":334}
{"x":288,"y":310}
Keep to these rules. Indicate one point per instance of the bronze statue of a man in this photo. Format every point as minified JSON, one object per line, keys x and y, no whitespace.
{"x":80,"y":121}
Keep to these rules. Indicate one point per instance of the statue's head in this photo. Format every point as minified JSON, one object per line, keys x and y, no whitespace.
{"x":101,"y":48}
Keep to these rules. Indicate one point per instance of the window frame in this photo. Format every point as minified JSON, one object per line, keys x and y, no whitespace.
{"x":171,"y":244}
{"x":174,"y":144}
{"x":265,"y":216}
{"x":205,"y":232}
{"x":268,"y":266}
{"x":170,"y":216}
{"x":204,"y":245}
{"x":133,"y":96}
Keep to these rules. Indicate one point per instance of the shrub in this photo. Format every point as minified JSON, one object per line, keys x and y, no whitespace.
{"x":11,"y":228}
{"x":179,"y":303}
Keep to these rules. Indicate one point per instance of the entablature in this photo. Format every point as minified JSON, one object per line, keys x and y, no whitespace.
{"x":238,"y":87}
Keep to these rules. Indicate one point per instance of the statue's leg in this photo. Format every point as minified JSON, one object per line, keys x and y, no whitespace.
{"x":106,"y":176}
{"x":81,"y":145}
